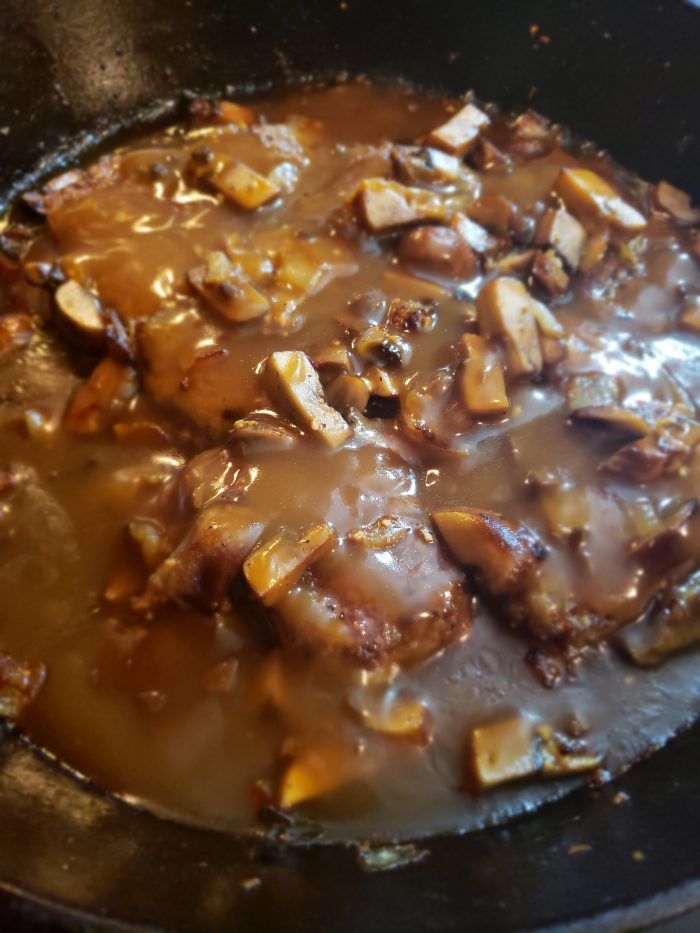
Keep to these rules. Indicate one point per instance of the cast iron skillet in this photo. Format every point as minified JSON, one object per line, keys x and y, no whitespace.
{"x":626,"y":74}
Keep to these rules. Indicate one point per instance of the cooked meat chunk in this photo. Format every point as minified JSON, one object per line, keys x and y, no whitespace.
{"x":560,"y":230}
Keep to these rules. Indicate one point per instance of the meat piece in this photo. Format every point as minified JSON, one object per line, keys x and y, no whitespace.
{"x":80,"y":309}
{"x":399,"y":602}
{"x":294,"y":382}
{"x":461,"y":131}
{"x":202,"y":567}
{"x":591,"y":198}
{"x":73,"y":185}
{"x":676,"y":203}
{"x":481,"y":380}
{"x":385,"y":205}
{"x":440,"y":248}
{"x":276,"y":566}
{"x":549,"y":273}
{"x":503,"y":552}
{"x":19,"y":685}
{"x":226,"y":288}
{"x":505,"y":311}
{"x":560,"y":230}
{"x":94,"y":403}
{"x":673,"y":626}
{"x":421,"y":165}
{"x":16,"y":332}
{"x":244,"y":186}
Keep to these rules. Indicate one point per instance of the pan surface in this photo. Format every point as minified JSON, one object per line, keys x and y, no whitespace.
{"x":624,"y":74}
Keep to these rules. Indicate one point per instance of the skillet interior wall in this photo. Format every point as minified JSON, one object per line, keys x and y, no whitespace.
{"x":66,"y":66}
{"x":618,"y":73}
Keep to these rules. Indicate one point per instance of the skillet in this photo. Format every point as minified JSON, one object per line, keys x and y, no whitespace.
{"x":625,"y":74}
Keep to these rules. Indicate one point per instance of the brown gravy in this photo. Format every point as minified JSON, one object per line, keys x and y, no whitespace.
{"x":167,"y":676}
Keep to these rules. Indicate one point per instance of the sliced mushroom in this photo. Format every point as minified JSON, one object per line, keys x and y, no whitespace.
{"x":677,"y":203}
{"x":505,"y":310}
{"x":246,"y":187}
{"x":659,"y":547}
{"x":439,"y":248}
{"x":505,"y":751}
{"x":80,"y":309}
{"x":504,"y":552}
{"x":421,"y":165}
{"x":347,"y":392}
{"x":262,"y":430}
{"x":618,"y":419}
{"x":560,"y":230}
{"x":481,"y":379}
{"x":473,"y":234}
{"x":384,"y":533}
{"x":226,"y":288}
{"x":549,"y":273}
{"x":461,"y":131}
{"x":379,"y":345}
{"x":665,"y":450}
{"x":331,"y":358}
{"x":590,"y":197}
{"x":277,"y":565}
{"x":385,"y":205}
{"x":292,"y":379}
{"x":108,"y":390}
{"x":592,"y":390}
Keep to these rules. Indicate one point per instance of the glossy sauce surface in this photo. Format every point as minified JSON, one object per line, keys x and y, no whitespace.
{"x":178,"y":687}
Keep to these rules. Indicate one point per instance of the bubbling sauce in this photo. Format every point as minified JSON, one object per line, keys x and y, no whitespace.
{"x":348,"y":464}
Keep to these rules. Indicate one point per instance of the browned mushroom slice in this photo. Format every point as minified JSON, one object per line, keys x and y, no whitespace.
{"x":277,"y":565}
{"x":591,"y":390}
{"x":421,"y":165}
{"x":661,"y":547}
{"x":504,"y":552}
{"x":381,"y":383}
{"x":473,"y":234}
{"x":19,"y":685}
{"x":481,"y":379}
{"x":384,"y":204}
{"x":379,"y":345}
{"x":347,"y":392}
{"x":560,"y":230}
{"x":80,"y":309}
{"x":505,"y":751}
{"x":226,"y":289}
{"x":590,"y":197}
{"x":665,"y":450}
{"x":262,"y":430}
{"x":211,"y":475}
{"x":202,"y":567}
{"x":440,"y":248}
{"x":292,"y":379}
{"x":245,"y":186}
{"x":673,"y":626}
{"x":108,"y":390}
{"x":16,"y":331}
{"x":677,"y":203}
{"x":505,"y":311}
{"x":618,"y":419}
{"x":549,"y":273}
{"x":461,"y":131}
{"x":331,"y":358}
